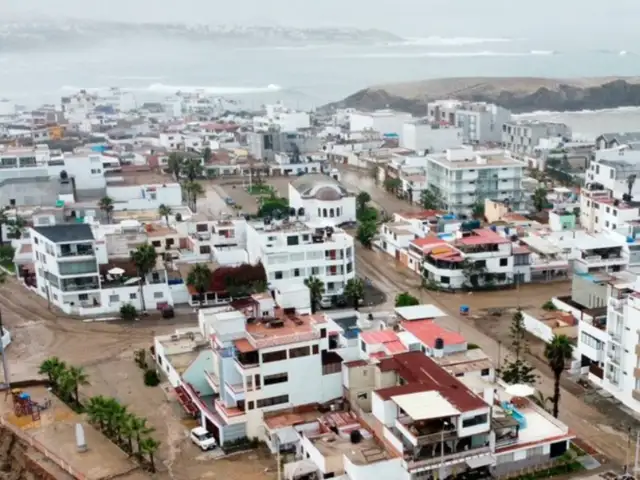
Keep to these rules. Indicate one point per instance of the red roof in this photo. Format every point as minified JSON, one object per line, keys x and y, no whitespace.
{"x":423,"y":374}
{"x":482,"y":236}
{"x":428,"y":241}
{"x":355,"y":363}
{"x":379,"y":336}
{"x":427,"y":331}
{"x":395,"y":347}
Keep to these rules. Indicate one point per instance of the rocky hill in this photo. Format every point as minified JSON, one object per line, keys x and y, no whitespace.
{"x":519,"y":94}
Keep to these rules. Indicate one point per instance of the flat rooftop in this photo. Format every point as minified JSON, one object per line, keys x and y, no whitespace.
{"x":489,"y":160}
{"x":363,"y":453}
{"x":464,"y":362}
{"x":139,"y":177}
{"x":284,"y":329}
{"x":182,"y":348}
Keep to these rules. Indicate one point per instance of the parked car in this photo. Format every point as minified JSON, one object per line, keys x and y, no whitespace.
{"x":203,"y":439}
{"x":229,"y":201}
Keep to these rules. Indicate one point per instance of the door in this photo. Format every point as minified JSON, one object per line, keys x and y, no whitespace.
{"x":212,"y":428}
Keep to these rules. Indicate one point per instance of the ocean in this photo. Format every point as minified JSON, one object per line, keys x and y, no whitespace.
{"x":306,"y":71}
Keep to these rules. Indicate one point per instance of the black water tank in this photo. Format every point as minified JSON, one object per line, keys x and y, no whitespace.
{"x":356,"y":436}
{"x":292,"y":212}
{"x":301,"y":212}
{"x":439,"y":344}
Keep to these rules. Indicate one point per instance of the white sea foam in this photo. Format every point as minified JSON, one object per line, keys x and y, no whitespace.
{"x":552,"y":113}
{"x":448,"y":41}
{"x":483,"y":53}
{"x":168,"y":89}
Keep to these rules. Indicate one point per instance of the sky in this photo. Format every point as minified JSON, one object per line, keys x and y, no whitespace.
{"x":485,"y":18}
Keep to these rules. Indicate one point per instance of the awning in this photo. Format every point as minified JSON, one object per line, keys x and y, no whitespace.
{"x":480,"y":461}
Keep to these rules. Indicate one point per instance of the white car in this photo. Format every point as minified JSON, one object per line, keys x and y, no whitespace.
{"x":203,"y":439}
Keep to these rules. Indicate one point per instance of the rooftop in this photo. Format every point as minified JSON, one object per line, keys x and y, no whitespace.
{"x":419,"y":312}
{"x":283,"y":329}
{"x":482,"y":236}
{"x":136,"y":176}
{"x":365,"y":452}
{"x":65,"y":233}
{"x":427,"y":331}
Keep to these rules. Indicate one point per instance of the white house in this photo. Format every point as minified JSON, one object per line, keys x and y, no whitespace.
{"x":292,"y":251}
{"x":425,"y":135}
{"x":382,"y":121}
{"x":323,"y":199}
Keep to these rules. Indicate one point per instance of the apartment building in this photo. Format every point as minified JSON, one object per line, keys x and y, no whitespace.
{"x":382,"y":121}
{"x":424,"y":135}
{"x":606,"y":141}
{"x":261,"y":359}
{"x":281,"y":118}
{"x":292,"y":251}
{"x":464,"y":176}
{"x":523,"y":136}
{"x":480,"y":122}
{"x":72,"y":270}
{"x":322,"y":199}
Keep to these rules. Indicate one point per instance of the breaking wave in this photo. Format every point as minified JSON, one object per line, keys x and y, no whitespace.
{"x":171,"y":89}
{"x":483,"y":53}
{"x":448,"y":41}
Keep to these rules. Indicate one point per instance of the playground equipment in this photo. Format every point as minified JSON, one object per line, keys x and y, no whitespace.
{"x":23,"y":405}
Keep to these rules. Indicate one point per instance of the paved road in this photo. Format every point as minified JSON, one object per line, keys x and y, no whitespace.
{"x":391,"y":277}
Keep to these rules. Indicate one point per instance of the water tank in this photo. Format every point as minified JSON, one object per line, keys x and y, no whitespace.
{"x":493,"y":228}
{"x":439,"y":345}
{"x":301,"y":212}
{"x":355,"y":436}
{"x":292,"y":212}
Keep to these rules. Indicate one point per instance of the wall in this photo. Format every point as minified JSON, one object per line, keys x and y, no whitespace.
{"x":314,"y":455}
{"x":385,"y":411}
{"x":537,"y":328}
{"x":587,"y":292}
{"x":194,"y":374}
{"x":6,"y":338}
{"x":386,"y":469}
{"x":179,"y":293}
{"x":139,"y":197}
{"x":165,"y":365}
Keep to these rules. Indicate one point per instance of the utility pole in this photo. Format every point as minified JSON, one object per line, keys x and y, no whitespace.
{"x":5,"y":366}
{"x":278,"y":460}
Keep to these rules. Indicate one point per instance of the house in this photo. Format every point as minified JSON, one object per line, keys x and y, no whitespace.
{"x":322,"y":199}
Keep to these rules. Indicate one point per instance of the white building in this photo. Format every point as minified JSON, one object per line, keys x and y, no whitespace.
{"x":292,"y":251}
{"x":464,"y":177}
{"x":71,"y":272}
{"x":323,"y":199}
{"x":383,"y":121}
{"x":480,"y":122}
{"x":262,"y":360}
{"x":282,"y":118}
{"x":523,"y":136}
{"x":424,"y":135}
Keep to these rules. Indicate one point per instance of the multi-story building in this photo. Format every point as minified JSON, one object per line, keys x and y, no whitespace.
{"x":292,"y":251}
{"x":480,"y":122}
{"x":464,"y":176}
{"x":281,"y":118}
{"x":522,"y":136}
{"x":261,"y":359}
{"x":616,"y":139}
{"x":386,"y":122}
{"x":423,"y":135}
{"x":322,"y":199}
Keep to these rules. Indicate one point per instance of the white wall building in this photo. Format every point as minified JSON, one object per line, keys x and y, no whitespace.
{"x":480,"y":122}
{"x":424,"y":135}
{"x":323,"y":199}
{"x":464,"y":176}
{"x":292,"y":251}
{"x":280,"y":117}
{"x":382,"y":121}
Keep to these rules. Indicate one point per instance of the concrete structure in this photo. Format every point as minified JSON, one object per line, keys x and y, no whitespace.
{"x":480,"y":122}
{"x":616,"y":139}
{"x":463,"y":176}
{"x":282,"y":119}
{"x":386,"y":122}
{"x":522,"y":136}
{"x":292,"y":251}
{"x":423,"y":135}
{"x":322,"y":199}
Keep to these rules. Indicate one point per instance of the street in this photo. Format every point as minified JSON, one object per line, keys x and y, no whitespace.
{"x":392,"y":278}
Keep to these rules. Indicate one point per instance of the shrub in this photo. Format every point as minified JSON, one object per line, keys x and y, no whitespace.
{"x":151,"y":378}
{"x":128,"y":312}
{"x":549,"y":306}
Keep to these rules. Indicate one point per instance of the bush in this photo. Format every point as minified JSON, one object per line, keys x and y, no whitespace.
{"x":472,"y":346}
{"x":151,"y":378}
{"x":549,"y":306}
{"x":128,"y":312}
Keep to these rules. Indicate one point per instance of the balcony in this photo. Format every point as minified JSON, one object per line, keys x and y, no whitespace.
{"x":247,"y":361}
{"x":212,"y":380}
{"x":614,"y":357}
{"x":68,"y":253}
{"x":636,"y":372}
{"x":596,"y":260}
{"x":79,"y":286}
{"x":436,"y":460}
{"x":235,"y":390}
{"x":615,"y":335}
{"x":424,"y":433}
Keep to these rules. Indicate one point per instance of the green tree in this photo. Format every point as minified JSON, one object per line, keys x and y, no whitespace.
{"x":144,"y":258}
{"x":557,"y":353}
{"x":549,"y":306}
{"x":193,"y":190}
{"x":17,"y":227}
{"x":354,"y":290}
{"x":140,"y":429}
{"x":366,"y":232}
{"x":106,"y":205}
{"x":76,"y":376}
{"x":174,"y":165}
{"x":127,"y":431}
{"x":539,"y":198}
{"x":405,"y":299}
{"x":392,"y":185}
{"x":150,"y":447}
{"x":191,"y":169}
{"x":52,"y":367}
{"x":477,"y":211}
{"x":207,"y":154}
{"x":128,"y":312}
{"x":517,"y":370}
{"x":273,"y":206}
{"x":430,"y":199}
{"x":3,"y":221}
{"x":200,"y":278}
{"x":316,"y":290}
{"x":164,"y":211}
{"x":362,"y":200}
{"x":97,"y":412}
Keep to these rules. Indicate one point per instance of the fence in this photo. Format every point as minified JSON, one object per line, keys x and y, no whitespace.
{"x":29,"y":440}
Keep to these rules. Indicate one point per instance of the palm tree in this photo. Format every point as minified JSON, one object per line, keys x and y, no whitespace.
{"x":540,"y":198}
{"x":97,"y":412}
{"x":541,"y":400}
{"x":557,"y":352}
{"x":17,"y":227}
{"x":144,"y":258}
{"x":192,"y":169}
{"x":127,"y":430}
{"x":206,"y":155}
{"x":52,"y":367}
{"x":139,"y":428}
{"x":164,"y":211}
{"x":316,"y":290}
{"x":174,"y":165}
{"x":354,"y":289}
{"x":150,"y":446}
{"x":3,"y":221}
{"x":194,"y":190}
{"x":77,"y":376}
{"x":106,"y":205}
{"x":200,"y":278}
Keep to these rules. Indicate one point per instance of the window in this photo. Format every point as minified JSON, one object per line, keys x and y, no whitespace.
{"x":275,"y":378}
{"x":293,"y":240}
{"x":278,"y":275}
{"x":504,"y":262}
{"x":274,"y":356}
{"x":331,"y":212}
{"x":324,"y":212}
{"x":315,"y":270}
{"x":363,"y":346}
{"x":477,"y":420}
{"x":615,"y":212}
{"x":349,"y":267}
{"x":323,"y":333}
{"x":481,"y":263}
{"x":36,"y":240}
{"x":132,"y":296}
{"x":445,"y":280}
{"x":114,"y":298}
{"x":268,"y":402}
{"x":157,"y":295}
{"x":296,"y":272}
{"x":83,"y":296}
{"x":250,"y":405}
{"x":484,"y":372}
{"x":156,"y":243}
{"x":315,"y":350}
{"x":299,"y":352}
{"x":205,"y":249}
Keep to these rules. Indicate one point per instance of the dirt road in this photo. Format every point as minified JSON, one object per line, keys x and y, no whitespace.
{"x":391,"y":277}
